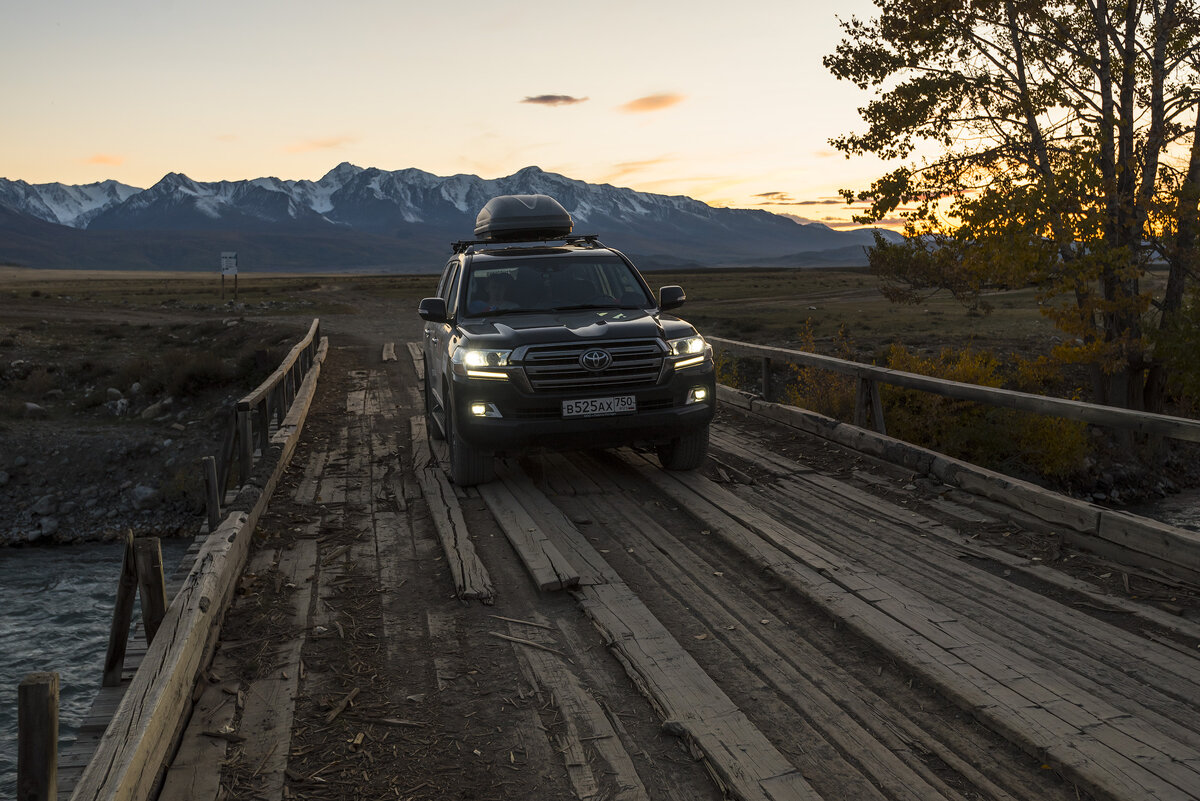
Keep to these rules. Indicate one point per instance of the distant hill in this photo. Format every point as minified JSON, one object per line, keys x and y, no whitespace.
{"x":358,"y":218}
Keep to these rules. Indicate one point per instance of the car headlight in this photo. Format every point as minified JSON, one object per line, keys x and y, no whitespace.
{"x":479,"y":363}
{"x":689,"y":351}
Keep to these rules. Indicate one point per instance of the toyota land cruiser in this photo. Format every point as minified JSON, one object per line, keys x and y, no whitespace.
{"x":541,"y":339}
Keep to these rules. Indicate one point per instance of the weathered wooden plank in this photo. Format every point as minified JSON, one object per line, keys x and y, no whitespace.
{"x":854,"y":726}
{"x":740,"y":756}
{"x":266,"y":721}
{"x":585,"y":721}
{"x":471,"y":578}
{"x":195,"y":773}
{"x":1037,"y":729}
{"x":547,"y":566}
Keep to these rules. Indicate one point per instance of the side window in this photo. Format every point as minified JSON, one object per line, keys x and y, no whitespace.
{"x":447,"y":275}
{"x":449,"y":291}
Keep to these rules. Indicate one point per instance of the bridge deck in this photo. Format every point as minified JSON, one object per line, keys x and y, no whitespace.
{"x":796,"y":622}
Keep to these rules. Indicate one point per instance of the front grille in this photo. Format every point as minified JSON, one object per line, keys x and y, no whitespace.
{"x":556,"y":368}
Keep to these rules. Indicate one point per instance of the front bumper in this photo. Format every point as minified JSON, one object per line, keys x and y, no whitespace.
{"x":529,"y":420}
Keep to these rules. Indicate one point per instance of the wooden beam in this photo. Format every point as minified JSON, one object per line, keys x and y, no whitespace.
{"x":37,"y":737}
{"x":147,"y":558}
{"x":1141,"y":422}
{"x":118,"y":632}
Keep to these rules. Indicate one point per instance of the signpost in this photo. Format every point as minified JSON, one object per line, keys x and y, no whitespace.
{"x":229,"y":267}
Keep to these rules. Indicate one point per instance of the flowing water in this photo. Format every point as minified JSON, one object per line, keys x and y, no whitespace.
{"x":55,"y":610}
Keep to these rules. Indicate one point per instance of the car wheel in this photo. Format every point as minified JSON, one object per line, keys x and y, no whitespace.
{"x":431,"y":421}
{"x":686,"y":452}
{"x":468,"y":465}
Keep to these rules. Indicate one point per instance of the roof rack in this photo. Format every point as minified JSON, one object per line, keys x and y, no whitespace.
{"x":591,"y":240}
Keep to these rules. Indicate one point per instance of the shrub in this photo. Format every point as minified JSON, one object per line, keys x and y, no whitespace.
{"x":822,"y":391}
{"x":1051,"y":447}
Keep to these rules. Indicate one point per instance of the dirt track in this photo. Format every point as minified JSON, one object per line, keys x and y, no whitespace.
{"x":742,"y":677}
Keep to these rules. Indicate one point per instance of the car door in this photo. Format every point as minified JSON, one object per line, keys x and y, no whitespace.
{"x":437,"y":335}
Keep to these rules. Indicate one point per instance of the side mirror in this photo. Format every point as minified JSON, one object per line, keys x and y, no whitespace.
{"x":432,"y":310}
{"x":671,"y":297}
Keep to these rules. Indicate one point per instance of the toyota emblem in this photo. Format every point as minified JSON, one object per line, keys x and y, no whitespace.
{"x":595,"y":360}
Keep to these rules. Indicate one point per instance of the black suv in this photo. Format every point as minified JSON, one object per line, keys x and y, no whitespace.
{"x":540,"y":339}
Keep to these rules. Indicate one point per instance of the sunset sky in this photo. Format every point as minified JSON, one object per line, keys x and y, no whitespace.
{"x":724,"y":102}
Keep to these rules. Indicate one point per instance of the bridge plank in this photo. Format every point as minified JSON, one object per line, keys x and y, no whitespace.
{"x":547,"y":566}
{"x":471,"y":579}
{"x":911,"y":634}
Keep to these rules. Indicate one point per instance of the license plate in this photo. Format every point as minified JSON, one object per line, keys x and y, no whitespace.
{"x":600,"y":407}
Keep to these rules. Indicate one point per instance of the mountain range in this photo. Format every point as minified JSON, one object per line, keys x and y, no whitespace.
{"x":357,"y":218}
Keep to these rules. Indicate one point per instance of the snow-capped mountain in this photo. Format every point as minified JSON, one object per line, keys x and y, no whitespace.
{"x":355,"y":217}
{"x":73,"y":206}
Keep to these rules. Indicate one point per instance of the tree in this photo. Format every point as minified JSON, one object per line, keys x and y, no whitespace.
{"x":1049,"y":142}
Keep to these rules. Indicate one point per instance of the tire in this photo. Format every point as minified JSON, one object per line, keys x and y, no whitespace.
{"x":468,"y":465}
{"x":431,"y":422}
{"x":686,"y":452}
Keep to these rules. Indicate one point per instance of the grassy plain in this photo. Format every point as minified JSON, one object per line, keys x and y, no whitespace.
{"x":769,"y":306}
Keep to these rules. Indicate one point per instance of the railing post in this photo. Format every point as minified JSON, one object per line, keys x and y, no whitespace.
{"x":877,"y":408}
{"x":862,"y":401}
{"x":147,"y":553}
{"x":212,"y":494}
{"x":37,"y":737}
{"x":118,"y":633}
{"x":766,"y":378}
{"x":246,"y":441}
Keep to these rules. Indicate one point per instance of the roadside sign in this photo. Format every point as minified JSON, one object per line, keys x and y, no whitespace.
{"x":229,"y":263}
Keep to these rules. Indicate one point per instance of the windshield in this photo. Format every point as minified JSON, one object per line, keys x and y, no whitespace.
{"x":513,"y":286}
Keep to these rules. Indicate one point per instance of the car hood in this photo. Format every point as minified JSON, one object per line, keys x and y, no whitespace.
{"x":514,"y":330}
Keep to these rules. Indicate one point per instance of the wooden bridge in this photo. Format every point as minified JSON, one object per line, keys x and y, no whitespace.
{"x":801,"y":620}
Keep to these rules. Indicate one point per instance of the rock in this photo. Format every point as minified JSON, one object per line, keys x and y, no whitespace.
{"x":34,"y":410}
{"x":67,"y":507}
{"x":3,"y":478}
{"x":144,"y":497}
{"x":152,"y":411}
{"x":54,"y":394}
{"x":114,"y":394}
{"x":119,"y":407}
{"x":48,"y":525}
{"x":136,"y":389}
{"x":44,"y":505}
{"x":20,"y":461}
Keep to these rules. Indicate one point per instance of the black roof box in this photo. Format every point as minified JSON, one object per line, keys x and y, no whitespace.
{"x":522,"y":218}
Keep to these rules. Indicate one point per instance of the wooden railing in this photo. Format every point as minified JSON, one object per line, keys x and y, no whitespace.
{"x":249,"y":429}
{"x":868,"y":407}
{"x":129,"y":756}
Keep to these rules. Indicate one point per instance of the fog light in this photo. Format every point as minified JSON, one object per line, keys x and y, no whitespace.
{"x":484,"y":410}
{"x":698,"y":395}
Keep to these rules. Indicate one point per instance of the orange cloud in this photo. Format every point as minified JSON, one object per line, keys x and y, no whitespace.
{"x":652,"y":103}
{"x":329,"y":143}
{"x":107,"y":159}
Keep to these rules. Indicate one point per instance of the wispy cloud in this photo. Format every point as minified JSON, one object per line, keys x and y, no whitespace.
{"x":652,"y":103}
{"x":107,"y":159}
{"x":328,"y":143}
{"x":554,"y":100}
{"x":621,"y":169}
{"x":785,"y":199}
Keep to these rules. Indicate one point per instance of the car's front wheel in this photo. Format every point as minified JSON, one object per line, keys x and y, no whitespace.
{"x":468,"y":465}
{"x":686,"y":452}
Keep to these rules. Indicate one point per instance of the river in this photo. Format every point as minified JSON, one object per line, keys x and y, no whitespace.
{"x":55,"y":610}
{"x":56,"y":607}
